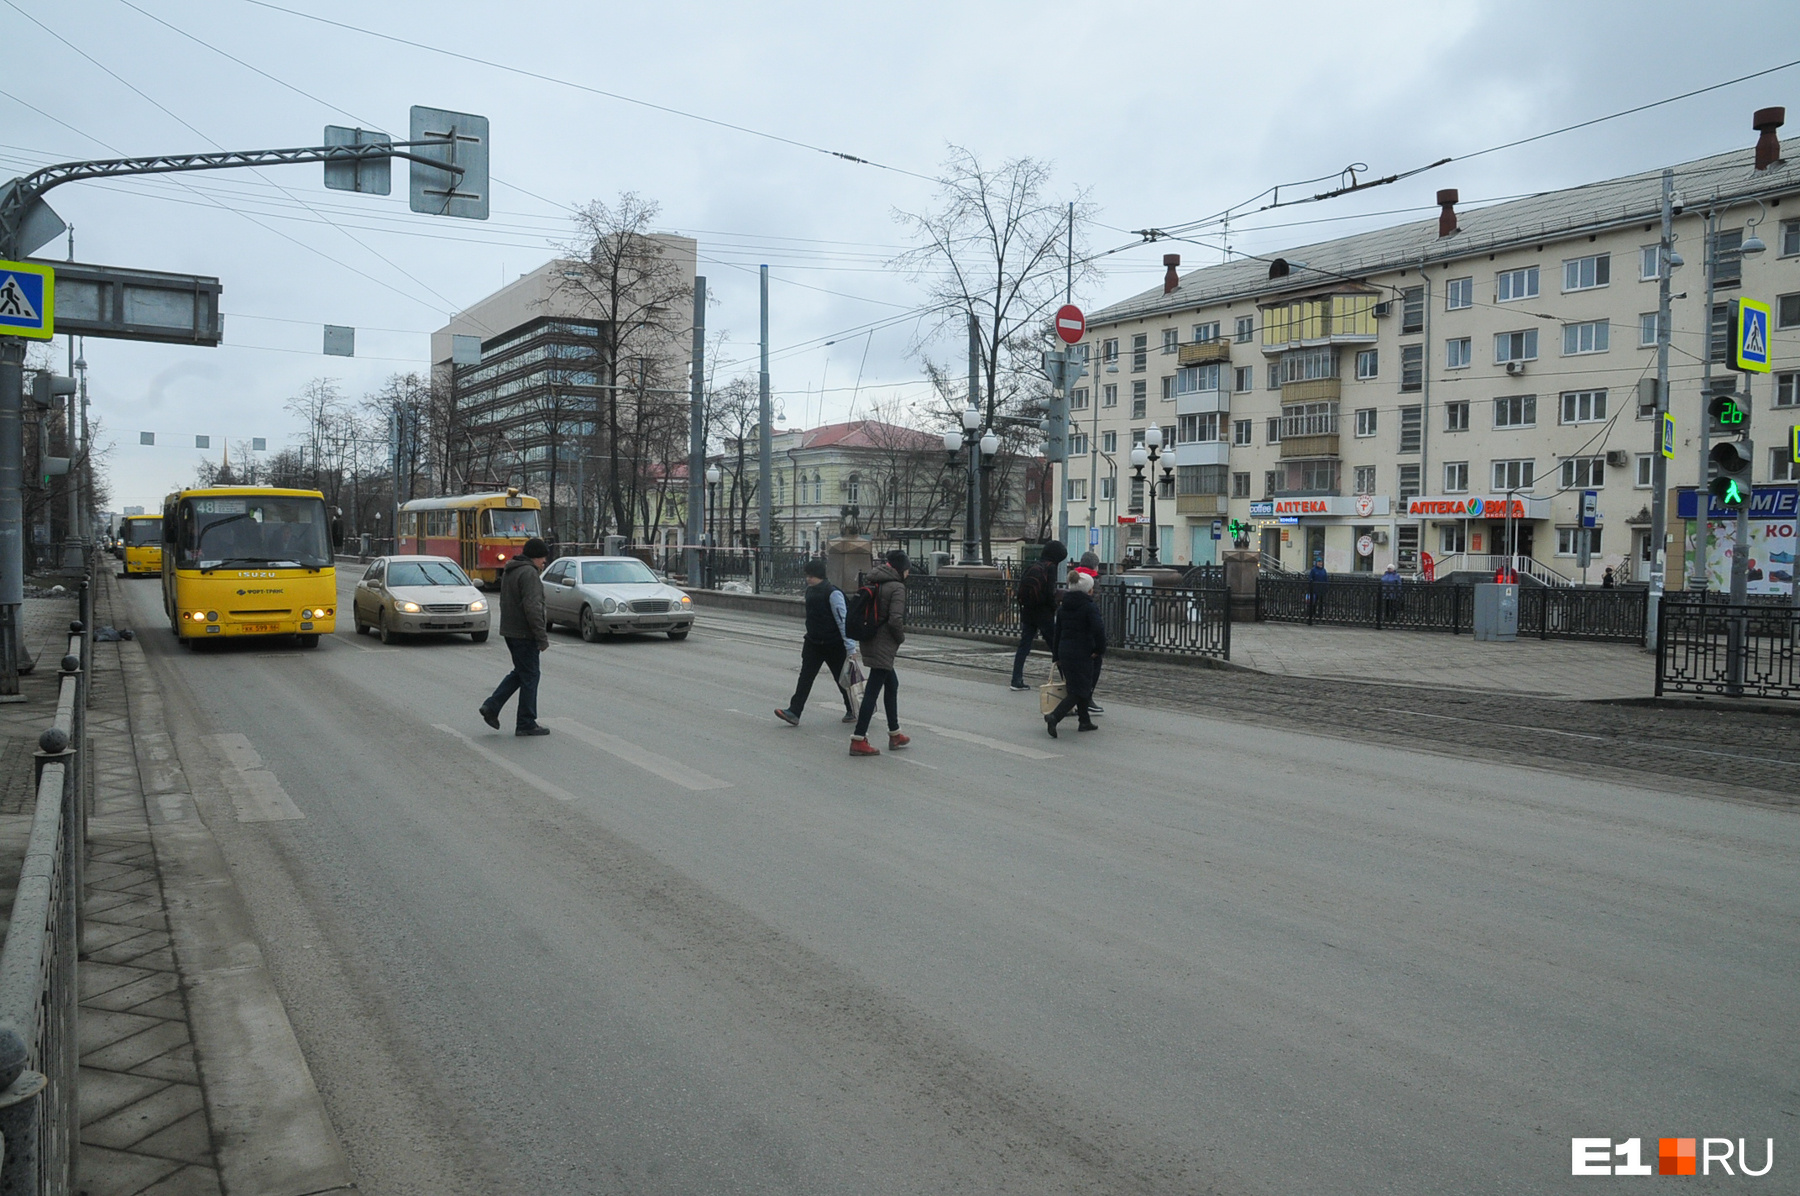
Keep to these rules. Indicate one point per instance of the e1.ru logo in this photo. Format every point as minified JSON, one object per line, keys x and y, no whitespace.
{"x":1674,"y":1156}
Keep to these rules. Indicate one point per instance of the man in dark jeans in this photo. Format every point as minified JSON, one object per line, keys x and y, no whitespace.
{"x":825,"y":643}
{"x":522,"y":627}
{"x":1037,"y":607}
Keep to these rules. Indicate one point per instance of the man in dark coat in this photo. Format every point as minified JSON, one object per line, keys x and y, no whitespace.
{"x":825,"y":643}
{"x":522,"y":627}
{"x":878,"y":652}
{"x":1079,"y":643}
{"x":1037,"y":607}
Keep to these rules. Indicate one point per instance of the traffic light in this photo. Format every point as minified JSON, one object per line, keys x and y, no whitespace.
{"x":47,"y":387}
{"x":1725,"y":414}
{"x":1056,"y":428}
{"x":1731,"y":472}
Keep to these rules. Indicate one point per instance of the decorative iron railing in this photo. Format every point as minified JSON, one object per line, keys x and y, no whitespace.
{"x":1748,"y":650}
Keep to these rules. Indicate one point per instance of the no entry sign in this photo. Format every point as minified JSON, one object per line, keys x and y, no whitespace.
{"x":1071,"y":325}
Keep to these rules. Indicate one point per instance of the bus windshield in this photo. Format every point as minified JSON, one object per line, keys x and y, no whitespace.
{"x":253,"y":529}
{"x":505,"y":522}
{"x":139,"y":532}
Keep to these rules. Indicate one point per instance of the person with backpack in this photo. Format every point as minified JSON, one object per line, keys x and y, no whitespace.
{"x":826,"y":643}
{"x":1079,"y":642}
{"x":876,"y":619}
{"x":1037,"y":607}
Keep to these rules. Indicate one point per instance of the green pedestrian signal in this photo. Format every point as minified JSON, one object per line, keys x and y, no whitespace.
{"x":1731,"y":472}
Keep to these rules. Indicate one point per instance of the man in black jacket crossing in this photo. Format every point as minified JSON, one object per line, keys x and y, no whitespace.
{"x":1037,"y":606}
{"x":826,"y":644}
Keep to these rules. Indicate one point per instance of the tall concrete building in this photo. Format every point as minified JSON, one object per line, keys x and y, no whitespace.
{"x":1447,"y":387}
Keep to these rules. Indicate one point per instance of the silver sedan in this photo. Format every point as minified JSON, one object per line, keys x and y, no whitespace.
{"x":418,"y":595}
{"x":607,"y":595}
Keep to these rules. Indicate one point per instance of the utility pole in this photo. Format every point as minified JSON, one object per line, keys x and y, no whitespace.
{"x":1062,"y":488}
{"x":765,"y":448}
{"x":12,"y":547}
{"x":972,"y":544}
{"x":696,"y":493}
{"x":1659,"y":464}
{"x":1703,"y":508}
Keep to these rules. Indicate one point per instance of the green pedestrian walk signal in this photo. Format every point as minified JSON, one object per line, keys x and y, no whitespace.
{"x":1731,"y":472}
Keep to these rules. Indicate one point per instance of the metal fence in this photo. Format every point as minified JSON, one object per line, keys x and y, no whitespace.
{"x":1164,"y":620}
{"x":1712,"y":647}
{"x":1365,"y":602}
{"x":39,"y":1052}
{"x":1568,"y":614}
{"x":765,"y":571}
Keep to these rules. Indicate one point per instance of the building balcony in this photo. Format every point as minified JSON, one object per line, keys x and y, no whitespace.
{"x":1200,"y":504}
{"x":1341,"y":319}
{"x":1295,"y":447}
{"x":1203,"y":352}
{"x":1202,"y":402}
{"x":1313,"y":390}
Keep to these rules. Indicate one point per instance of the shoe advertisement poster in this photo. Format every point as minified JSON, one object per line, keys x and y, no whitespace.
{"x":1770,"y":547}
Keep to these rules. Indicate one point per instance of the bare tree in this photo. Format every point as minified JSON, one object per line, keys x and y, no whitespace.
{"x":322,"y":410}
{"x":996,"y":250}
{"x":620,"y":277}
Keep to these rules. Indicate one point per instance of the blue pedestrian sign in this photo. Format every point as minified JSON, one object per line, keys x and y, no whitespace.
{"x":27,"y":300}
{"x":1749,"y":321}
{"x":1668,"y":435}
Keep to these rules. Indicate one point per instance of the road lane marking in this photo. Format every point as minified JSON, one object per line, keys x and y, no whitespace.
{"x":256,"y":793}
{"x":631,"y":753}
{"x":1011,"y":749}
{"x":505,"y":765}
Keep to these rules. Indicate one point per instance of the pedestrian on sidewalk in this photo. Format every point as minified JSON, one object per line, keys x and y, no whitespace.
{"x":1090,"y":561}
{"x":1316,"y":581}
{"x":1079,"y":643}
{"x":878,"y":651}
{"x":825,"y":643}
{"x":522,"y":627}
{"x":1390,"y":592}
{"x":1037,"y":607}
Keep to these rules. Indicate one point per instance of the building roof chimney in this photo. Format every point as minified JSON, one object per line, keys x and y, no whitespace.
{"x":1768,"y":145}
{"x":1171,"y":280}
{"x":1447,"y":218}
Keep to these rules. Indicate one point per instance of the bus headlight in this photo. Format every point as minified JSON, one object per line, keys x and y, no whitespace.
{"x":411,"y":608}
{"x":608,"y":606}
{"x":478,"y":606}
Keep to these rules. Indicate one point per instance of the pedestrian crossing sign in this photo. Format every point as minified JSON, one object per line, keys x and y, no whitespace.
{"x":27,"y":300}
{"x":1750,"y":336}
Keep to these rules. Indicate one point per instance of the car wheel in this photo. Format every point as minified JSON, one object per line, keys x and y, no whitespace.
{"x":680,"y":633}
{"x":589,"y":632}
{"x":479,"y":637}
{"x":382,"y":629}
{"x":309,"y":639}
{"x":362,"y":628}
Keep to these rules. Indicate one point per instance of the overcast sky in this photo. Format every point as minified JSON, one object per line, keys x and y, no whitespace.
{"x":1161,"y":112}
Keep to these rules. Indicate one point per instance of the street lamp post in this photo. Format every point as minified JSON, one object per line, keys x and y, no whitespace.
{"x":1148,"y":454}
{"x":981,"y":449}
{"x":713,"y":475}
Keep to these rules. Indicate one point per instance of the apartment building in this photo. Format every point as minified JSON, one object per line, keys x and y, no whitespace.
{"x":1446,"y":389}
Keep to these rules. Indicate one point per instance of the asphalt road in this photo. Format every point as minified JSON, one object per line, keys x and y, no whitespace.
{"x":677,"y":947}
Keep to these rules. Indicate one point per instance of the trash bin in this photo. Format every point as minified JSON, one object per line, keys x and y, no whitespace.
{"x":1496,"y":611}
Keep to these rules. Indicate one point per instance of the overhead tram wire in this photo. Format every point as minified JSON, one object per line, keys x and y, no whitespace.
{"x":611,"y":95}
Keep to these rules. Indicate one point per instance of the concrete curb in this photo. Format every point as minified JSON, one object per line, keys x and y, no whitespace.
{"x":271,"y":1131}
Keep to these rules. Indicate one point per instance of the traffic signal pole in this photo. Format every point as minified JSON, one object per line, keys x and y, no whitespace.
{"x":1659,"y":464}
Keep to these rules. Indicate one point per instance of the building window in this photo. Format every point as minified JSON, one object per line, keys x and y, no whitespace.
{"x":1206,"y":332}
{"x":1274,"y":375}
{"x":1109,"y":350}
{"x":1195,"y":379}
{"x":1590,"y":336}
{"x":1168,"y":387}
{"x":1137,"y":437}
{"x":1308,"y":365}
{"x":1106,"y":489}
{"x":1787,"y":311}
{"x":1456,"y":417}
{"x":1364,"y":476}
{"x":1075,"y":489}
{"x":1406,"y":547}
{"x":1450,"y":539}
{"x":1412,"y":425}
{"x":1459,"y":293}
{"x":1171,"y":338}
{"x":1787,"y":389}
{"x":1586,"y":273}
{"x":1269,"y":483}
{"x":1647,"y":258}
{"x":1309,"y":419}
{"x":1647,"y":327}
{"x":1078,"y":444}
{"x":1246,"y":328}
{"x":1109,"y":395}
{"x":853,"y":489}
{"x":1109,"y":442}
{"x":1515,"y":411}
{"x":1409,"y":482}
{"x":1240,"y":485}
{"x":1316,"y":476}
{"x":1790,"y":238}
{"x":1368,"y":363}
{"x":1243,"y":378}
{"x":818,"y":487}
{"x":1583,"y":473}
{"x":1137,"y":494}
{"x":1568,"y":540}
{"x":1517,"y":284}
{"x":1140,"y":352}
{"x":1241,"y":431}
{"x":1140,"y":395}
{"x":1456,"y":477}
{"x":1412,"y":310}
{"x":1456,"y":353}
{"x":1272,"y":434}
{"x":1514,"y":475}
{"x":1197,"y":429}
{"x":1078,"y":399}
{"x":1721,"y":335}
{"x":1412,"y":367}
{"x":1200,"y":479}
{"x":1583,"y":406}
{"x":1515,"y":346}
{"x":1781,"y":465}
{"x":1646,"y":470}
{"x":1365,"y":421}
{"x":1728,"y":258}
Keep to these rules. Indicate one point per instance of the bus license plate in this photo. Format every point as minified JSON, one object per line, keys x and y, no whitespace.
{"x":259,"y":628}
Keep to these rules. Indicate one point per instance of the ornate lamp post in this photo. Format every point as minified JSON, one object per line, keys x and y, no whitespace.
{"x":713,"y":475}
{"x":954,"y":443}
{"x":1148,"y":454}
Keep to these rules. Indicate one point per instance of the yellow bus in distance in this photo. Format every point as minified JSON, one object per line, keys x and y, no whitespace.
{"x":141,"y":544}
{"x":249,"y":560}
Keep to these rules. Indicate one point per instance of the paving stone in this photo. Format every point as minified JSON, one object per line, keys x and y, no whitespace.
{"x":103,"y":1172}
{"x":189,"y":1181}
{"x":102,"y":1093}
{"x":189,"y":1139}
{"x":98,"y":936}
{"x":161,"y":959}
{"x":128,"y":1053}
{"x":169,"y":1007}
{"x":153,"y":1114}
{"x":102,"y":1027}
{"x":127,"y":997}
{"x":98,"y":901}
{"x":97,"y":978}
{"x":177,"y":1064}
